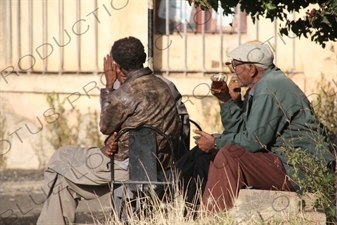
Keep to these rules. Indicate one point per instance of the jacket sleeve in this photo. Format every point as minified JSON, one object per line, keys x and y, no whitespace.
{"x":113,"y":112}
{"x":263,"y":123}
{"x":230,"y":113}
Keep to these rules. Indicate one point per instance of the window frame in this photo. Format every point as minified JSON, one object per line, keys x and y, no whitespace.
{"x":196,"y":25}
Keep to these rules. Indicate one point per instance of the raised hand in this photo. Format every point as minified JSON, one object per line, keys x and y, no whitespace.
{"x":234,"y":88}
{"x":222,"y":95}
{"x":110,"y":71}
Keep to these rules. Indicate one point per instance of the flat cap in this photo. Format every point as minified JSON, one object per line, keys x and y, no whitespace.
{"x":255,"y":52}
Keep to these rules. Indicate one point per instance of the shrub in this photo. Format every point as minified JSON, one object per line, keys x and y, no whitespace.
{"x":3,"y":132}
{"x":318,"y":177}
{"x":65,"y":129}
{"x":61,"y":131}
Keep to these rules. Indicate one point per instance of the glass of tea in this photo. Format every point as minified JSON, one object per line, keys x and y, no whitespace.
{"x":217,"y":82}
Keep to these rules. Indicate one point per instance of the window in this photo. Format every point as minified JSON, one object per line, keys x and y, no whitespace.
{"x":179,"y":14}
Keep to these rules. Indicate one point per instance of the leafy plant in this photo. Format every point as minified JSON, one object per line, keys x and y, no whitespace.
{"x":3,"y":132}
{"x":62,"y":132}
{"x":40,"y":152}
{"x":312,"y":174}
{"x":320,"y":22}
{"x":326,"y":107}
{"x":212,"y":115}
{"x":65,"y":127}
{"x":93,"y":136}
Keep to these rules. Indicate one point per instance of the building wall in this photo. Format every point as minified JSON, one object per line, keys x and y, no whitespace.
{"x":30,"y":46}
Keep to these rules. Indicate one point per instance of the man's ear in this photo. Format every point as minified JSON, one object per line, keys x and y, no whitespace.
{"x":253,"y":70}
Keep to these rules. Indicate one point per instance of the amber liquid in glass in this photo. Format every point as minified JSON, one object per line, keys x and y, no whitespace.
{"x":217,"y":86}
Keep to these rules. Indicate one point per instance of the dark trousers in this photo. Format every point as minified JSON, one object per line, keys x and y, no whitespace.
{"x":193,"y":172}
{"x":235,"y":168}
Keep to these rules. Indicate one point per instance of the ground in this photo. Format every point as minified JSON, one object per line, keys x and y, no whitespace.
{"x":21,"y":198}
{"x":21,"y":175}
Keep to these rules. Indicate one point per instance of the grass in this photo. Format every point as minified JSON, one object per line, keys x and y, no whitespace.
{"x":172,"y":213}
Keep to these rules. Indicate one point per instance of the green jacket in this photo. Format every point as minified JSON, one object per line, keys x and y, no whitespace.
{"x":278,"y":116}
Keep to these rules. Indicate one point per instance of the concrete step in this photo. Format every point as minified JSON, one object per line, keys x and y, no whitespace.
{"x":260,"y":206}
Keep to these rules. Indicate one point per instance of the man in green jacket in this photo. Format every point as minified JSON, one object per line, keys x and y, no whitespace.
{"x":277,"y":118}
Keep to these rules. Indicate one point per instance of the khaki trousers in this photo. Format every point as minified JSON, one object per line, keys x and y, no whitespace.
{"x":64,"y":191}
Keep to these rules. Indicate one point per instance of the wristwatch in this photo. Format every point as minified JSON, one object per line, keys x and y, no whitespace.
{"x":215,"y":147}
{"x":214,"y":151}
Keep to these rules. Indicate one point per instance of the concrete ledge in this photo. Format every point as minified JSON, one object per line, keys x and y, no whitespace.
{"x":259,"y":206}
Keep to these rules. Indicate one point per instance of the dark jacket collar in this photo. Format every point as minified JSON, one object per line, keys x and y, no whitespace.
{"x":139,"y":73}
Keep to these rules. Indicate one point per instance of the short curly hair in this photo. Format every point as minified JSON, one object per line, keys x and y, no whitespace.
{"x":128,"y":53}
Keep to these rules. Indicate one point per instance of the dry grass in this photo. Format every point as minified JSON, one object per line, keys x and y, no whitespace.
{"x":172,"y":213}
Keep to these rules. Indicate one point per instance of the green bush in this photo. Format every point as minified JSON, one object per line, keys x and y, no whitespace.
{"x":65,"y":128}
{"x":3,"y":132}
{"x":61,"y":133}
{"x":93,"y":137}
{"x":317,"y":177}
{"x":325,"y":106}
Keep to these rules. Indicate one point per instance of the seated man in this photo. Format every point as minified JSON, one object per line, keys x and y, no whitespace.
{"x":182,"y":111}
{"x":254,"y":147}
{"x":73,"y":173}
{"x":193,"y":166}
{"x":183,"y":146}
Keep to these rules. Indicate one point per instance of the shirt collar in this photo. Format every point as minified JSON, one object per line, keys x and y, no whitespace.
{"x":264,"y":76}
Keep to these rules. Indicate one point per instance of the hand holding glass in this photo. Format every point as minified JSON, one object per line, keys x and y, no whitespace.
{"x":217,"y":83}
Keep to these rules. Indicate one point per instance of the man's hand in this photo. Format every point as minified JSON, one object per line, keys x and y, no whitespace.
{"x":110,"y":71}
{"x":205,"y":142}
{"x":111,"y":146}
{"x":234,"y":88}
{"x":223,"y":95}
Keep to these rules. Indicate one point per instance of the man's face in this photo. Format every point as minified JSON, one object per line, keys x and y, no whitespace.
{"x":120,"y":76}
{"x":241,"y":71}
